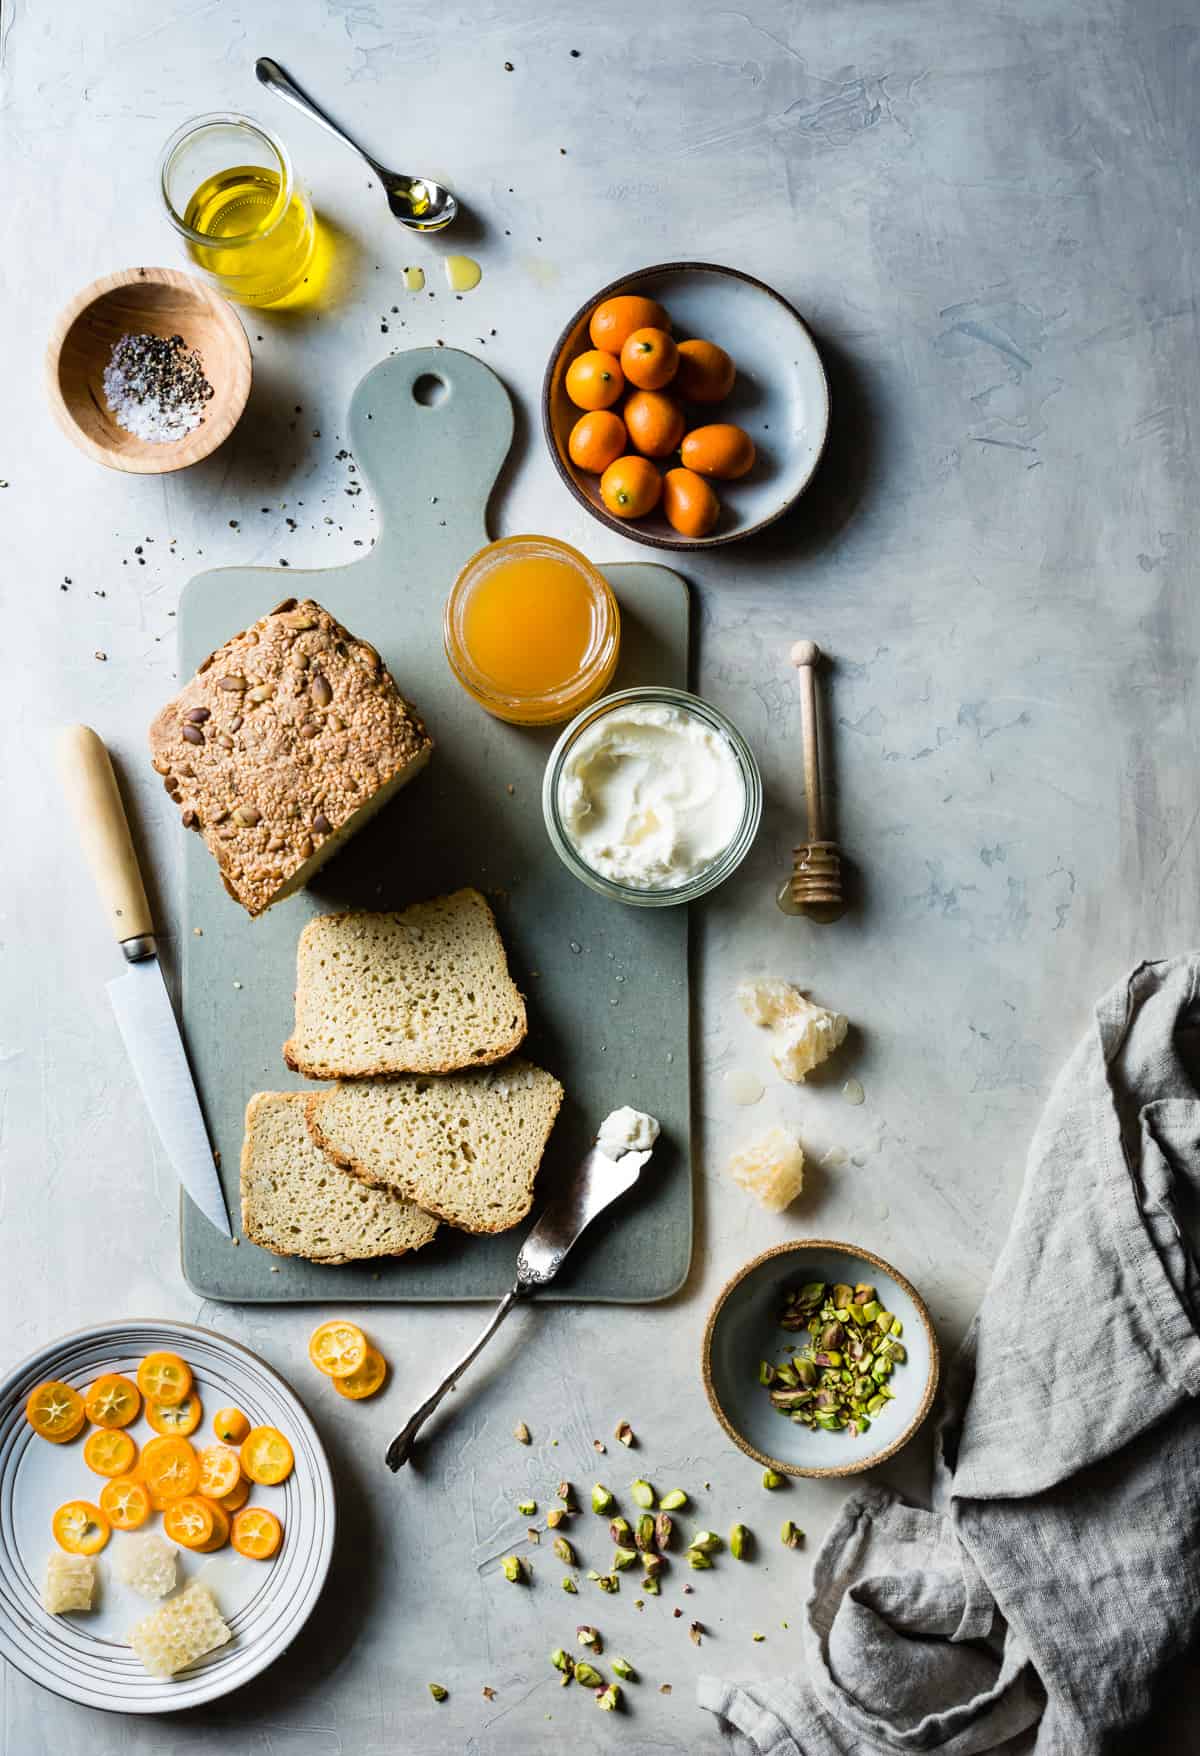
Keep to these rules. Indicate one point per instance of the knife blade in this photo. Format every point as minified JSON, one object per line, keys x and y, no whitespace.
{"x":144,"y":1014}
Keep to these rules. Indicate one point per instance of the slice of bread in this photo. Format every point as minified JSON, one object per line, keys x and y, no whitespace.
{"x":425,"y":991}
{"x":466,"y":1147}
{"x":296,"y":1203}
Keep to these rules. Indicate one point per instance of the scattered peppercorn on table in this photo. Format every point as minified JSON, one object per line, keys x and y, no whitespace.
{"x":992,"y":549}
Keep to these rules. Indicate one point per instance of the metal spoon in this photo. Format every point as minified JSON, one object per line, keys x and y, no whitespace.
{"x":417,"y":202}
{"x":597,"y":1183}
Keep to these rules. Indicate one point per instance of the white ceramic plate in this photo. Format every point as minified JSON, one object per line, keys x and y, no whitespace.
{"x":85,"y":1656}
{"x":781,"y":396}
{"x":743,"y":1328}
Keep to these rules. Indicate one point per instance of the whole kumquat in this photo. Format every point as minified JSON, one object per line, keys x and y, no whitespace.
{"x":614,"y":320}
{"x":706,"y":372}
{"x":630,"y":487}
{"x":596,"y":441}
{"x":595,"y":380}
{"x":649,"y":359}
{"x":689,"y":502}
{"x":655,"y":423}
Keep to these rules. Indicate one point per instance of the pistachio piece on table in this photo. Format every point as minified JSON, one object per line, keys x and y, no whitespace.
{"x":740,"y":1542}
{"x":569,"y":1585}
{"x":602,"y":1499}
{"x":555,"y":1517}
{"x":707,"y":1541}
{"x":589,"y":1636}
{"x":564,"y":1551}
{"x":606,"y":1581}
{"x":513,"y":1569}
{"x":562,"y":1661}
{"x":652,"y":1565}
{"x":791,"y":1536}
{"x":588,"y":1675}
{"x":651,"y":1586}
{"x":675,"y":1501}
{"x":521,"y":1433}
{"x":609,"y":1699}
{"x":623,"y":1668}
{"x":698,"y":1560}
{"x":621,"y":1532}
{"x":772,"y":1479}
{"x":624,"y":1558}
{"x":642,"y":1493}
{"x":644,"y":1536}
{"x":624,"y":1433}
{"x":566,"y":1494}
{"x":695,"y":1632}
{"x":527,"y":1508}
{"x":438,"y":1693}
{"x":664,"y":1527}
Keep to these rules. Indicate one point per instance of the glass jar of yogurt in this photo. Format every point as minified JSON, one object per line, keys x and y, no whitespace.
{"x":652,"y":796}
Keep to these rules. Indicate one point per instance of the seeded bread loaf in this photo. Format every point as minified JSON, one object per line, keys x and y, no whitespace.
{"x":295,"y":1202}
{"x":424,"y":991}
{"x":285,"y":742}
{"x":465,"y":1147}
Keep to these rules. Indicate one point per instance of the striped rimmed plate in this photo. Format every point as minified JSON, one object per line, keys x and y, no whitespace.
{"x":86,"y":1657}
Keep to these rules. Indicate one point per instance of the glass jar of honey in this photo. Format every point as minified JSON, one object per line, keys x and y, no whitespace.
{"x":532,"y":630}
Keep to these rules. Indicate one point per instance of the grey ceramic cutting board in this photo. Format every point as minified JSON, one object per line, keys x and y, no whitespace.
{"x":607,"y":985}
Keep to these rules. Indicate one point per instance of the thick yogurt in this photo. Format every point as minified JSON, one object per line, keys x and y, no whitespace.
{"x":627,"y":1130}
{"x":651,"y":795}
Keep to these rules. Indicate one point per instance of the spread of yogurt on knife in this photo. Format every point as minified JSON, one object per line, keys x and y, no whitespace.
{"x":626,"y":1130}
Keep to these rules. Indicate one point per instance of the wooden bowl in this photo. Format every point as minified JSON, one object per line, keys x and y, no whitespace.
{"x":780,"y":396}
{"x":150,"y":301}
{"x":743,"y":1328}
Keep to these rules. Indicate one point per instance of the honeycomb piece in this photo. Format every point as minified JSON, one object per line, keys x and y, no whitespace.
{"x":770,"y":1168}
{"x":803,"y":1035}
{"x":147,"y":1564}
{"x":70,"y":1582}
{"x":180,"y":1631}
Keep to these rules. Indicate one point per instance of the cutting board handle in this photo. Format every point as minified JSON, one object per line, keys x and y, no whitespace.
{"x":439,"y":423}
{"x":86,"y":772}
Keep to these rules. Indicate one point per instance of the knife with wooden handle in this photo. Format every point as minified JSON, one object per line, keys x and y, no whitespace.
{"x":139,"y":998}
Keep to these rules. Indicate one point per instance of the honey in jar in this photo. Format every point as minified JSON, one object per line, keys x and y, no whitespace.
{"x":532,"y":630}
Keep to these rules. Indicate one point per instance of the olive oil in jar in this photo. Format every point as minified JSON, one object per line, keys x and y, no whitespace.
{"x":260,"y":248}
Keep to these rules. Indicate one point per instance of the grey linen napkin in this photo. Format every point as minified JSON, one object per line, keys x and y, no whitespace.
{"x":1044,"y":1601}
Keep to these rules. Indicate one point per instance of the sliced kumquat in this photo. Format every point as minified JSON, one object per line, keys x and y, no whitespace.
{"x":266,"y":1456}
{"x":80,"y":1528}
{"x":125,"y":1503}
{"x":170,"y":1468}
{"x":55,"y":1411}
{"x":230,"y":1425}
{"x":113,"y":1401}
{"x":221,"y":1527}
{"x":109,"y":1452}
{"x":235,"y":1501}
{"x":366,"y":1381}
{"x":190,"y":1521}
{"x":164,"y":1378}
{"x":179,"y":1418}
{"x":337,"y":1348}
{"x":220,"y":1471}
{"x":257,"y":1533}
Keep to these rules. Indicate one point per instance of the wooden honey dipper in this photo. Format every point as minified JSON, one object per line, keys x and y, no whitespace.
{"x":816,"y":882}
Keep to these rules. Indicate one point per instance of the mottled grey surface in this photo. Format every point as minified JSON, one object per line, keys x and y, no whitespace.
{"x":988,"y":215}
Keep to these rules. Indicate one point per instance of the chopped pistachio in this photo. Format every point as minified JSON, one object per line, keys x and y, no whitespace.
{"x":644,"y":1536}
{"x":569,"y":1584}
{"x":707,"y":1541}
{"x":698,"y":1560}
{"x":664,"y":1527}
{"x":566,"y":1494}
{"x":609,"y":1699}
{"x":606,"y":1581}
{"x":652,"y":1565}
{"x":564,"y":1551}
{"x":695,"y":1632}
{"x":772,"y":1479}
{"x":438,"y":1693}
{"x":555,"y":1517}
{"x":527,"y":1508}
{"x":624,"y":1558}
{"x":625,"y":1433}
{"x":602,"y":1500}
{"x":521,"y":1433}
{"x":740,"y":1542}
{"x":621,"y":1532}
{"x":766,"y":1372}
{"x":599,"y":1445}
{"x":623,"y":1668}
{"x":588,"y":1675}
{"x":757,"y":1637}
{"x":791,"y":1535}
{"x":675,"y":1501}
{"x":562,"y":1661}
{"x":513,"y":1568}
{"x":651,"y":1586}
{"x":642,"y":1493}
{"x":534,"y":1534}
{"x":589,"y":1636}
{"x":664,"y":1688}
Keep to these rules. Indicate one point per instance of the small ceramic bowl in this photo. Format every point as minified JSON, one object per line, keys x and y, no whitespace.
{"x":743,"y":1329}
{"x":150,"y":301}
{"x":780,"y":396}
